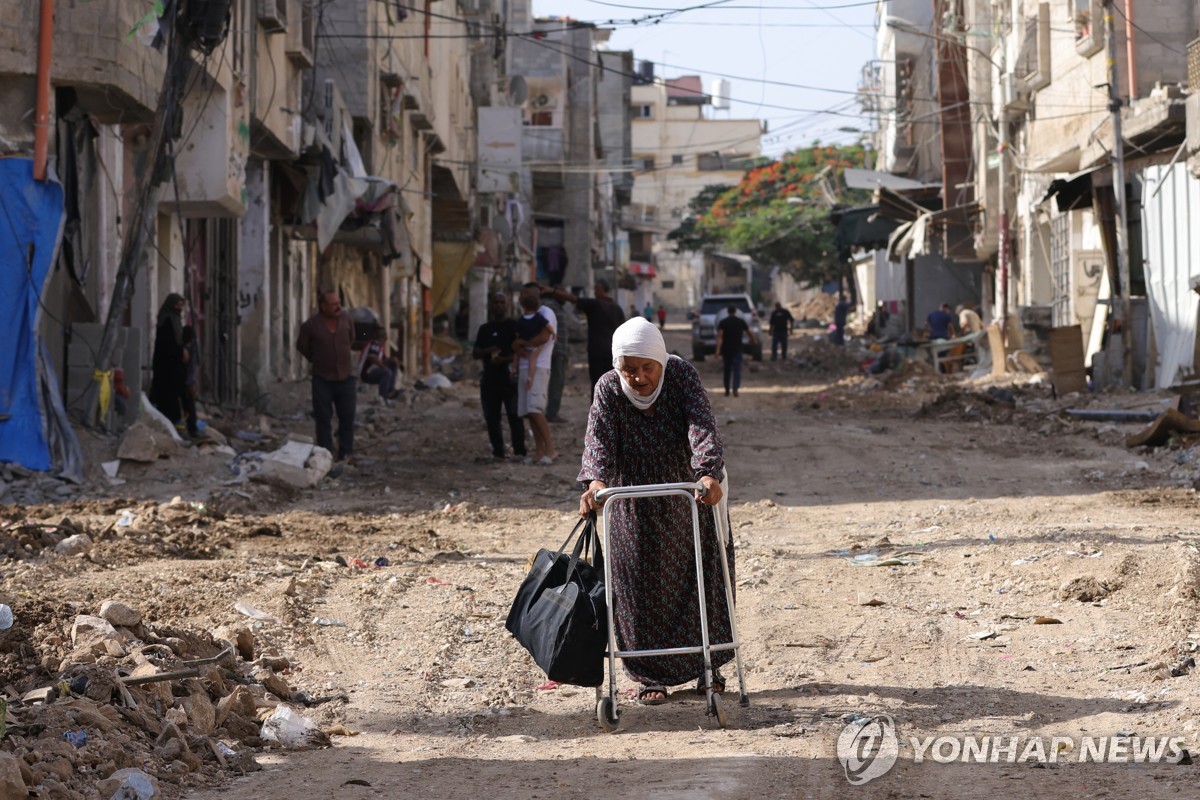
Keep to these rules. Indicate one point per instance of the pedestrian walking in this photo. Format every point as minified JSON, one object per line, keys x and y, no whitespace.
{"x":730,"y":332}
{"x":325,"y":341}
{"x":662,"y":317}
{"x":651,"y":422}
{"x":497,"y":386}
{"x":782,"y":324}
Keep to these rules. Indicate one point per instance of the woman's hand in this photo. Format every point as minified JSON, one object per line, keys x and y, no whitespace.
{"x":587,"y":501}
{"x":712,"y":494}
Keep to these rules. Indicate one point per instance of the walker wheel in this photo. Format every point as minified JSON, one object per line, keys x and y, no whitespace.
{"x":606,"y":714}
{"x":715,"y":709}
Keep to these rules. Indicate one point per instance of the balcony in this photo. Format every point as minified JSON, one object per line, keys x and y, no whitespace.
{"x":116,"y":78}
{"x":641,"y":217}
{"x":541,"y":145}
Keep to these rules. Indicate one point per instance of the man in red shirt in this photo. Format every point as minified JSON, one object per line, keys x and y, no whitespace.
{"x":325,"y":340}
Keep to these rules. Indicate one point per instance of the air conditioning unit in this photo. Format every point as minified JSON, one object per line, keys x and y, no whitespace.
{"x":1016,"y":94}
{"x":302,"y":38}
{"x":543,"y":100}
{"x":272,"y":15}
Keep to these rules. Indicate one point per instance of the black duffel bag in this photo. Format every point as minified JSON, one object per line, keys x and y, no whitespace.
{"x":559,"y":614}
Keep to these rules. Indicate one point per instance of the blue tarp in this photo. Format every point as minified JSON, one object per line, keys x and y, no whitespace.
{"x":31,"y":215}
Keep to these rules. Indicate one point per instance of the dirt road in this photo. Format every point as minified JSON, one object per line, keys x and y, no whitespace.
{"x":989,"y":519}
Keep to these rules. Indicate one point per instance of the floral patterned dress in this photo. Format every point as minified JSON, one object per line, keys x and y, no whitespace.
{"x":652,"y":551}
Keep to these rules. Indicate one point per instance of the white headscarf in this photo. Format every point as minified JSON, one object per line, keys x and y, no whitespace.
{"x":639,"y":338}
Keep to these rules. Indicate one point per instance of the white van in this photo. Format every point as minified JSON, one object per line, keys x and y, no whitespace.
{"x":713,"y":310}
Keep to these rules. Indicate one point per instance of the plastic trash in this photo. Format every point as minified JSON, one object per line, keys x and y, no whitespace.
{"x":6,"y":617}
{"x":76,"y":738}
{"x":126,"y":520}
{"x":242,"y":607}
{"x":290,"y":729}
{"x":328,"y":622}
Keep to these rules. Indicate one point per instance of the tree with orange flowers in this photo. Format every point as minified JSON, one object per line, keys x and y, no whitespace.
{"x":778,"y":214}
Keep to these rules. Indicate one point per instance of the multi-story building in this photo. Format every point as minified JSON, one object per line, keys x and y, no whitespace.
{"x":281,"y":96}
{"x":680,"y":146}
{"x":1024,"y":93}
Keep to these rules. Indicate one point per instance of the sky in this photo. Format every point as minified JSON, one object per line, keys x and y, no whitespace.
{"x":821,"y":44}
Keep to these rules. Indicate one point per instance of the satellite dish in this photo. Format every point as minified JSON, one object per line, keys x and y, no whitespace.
{"x":518,"y":90}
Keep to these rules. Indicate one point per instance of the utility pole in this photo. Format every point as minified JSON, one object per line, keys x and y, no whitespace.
{"x":133,"y":252}
{"x":1122,"y":211}
{"x":1002,"y":198}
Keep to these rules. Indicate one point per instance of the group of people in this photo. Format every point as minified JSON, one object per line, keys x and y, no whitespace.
{"x":518,"y":363}
{"x":650,"y":422}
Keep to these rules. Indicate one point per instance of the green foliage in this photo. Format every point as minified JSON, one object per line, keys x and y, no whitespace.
{"x":688,"y":237}
{"x":755,"y":217}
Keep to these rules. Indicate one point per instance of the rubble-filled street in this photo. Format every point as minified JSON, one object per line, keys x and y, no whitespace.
{"x":964,"y":557}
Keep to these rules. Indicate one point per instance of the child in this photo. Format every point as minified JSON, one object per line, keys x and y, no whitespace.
{"x":533,"y":334}
{"x":530,"y":341}
{"x":191,"y":383}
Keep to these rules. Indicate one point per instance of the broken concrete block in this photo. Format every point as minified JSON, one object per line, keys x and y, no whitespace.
{"x":119,"y":614}
{"x":88,"y":631}
{"x":12,"y":784}
{"x":296,"y":464}
{"x":145,"y":444}
{"x":129,"y":784}
{"x":201,"y":713}
{"x":240,"y":702}
{"x":240,"y":637}
{"x":74,"y":545}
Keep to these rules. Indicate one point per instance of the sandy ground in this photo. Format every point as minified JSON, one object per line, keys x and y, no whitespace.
{"x":995,"y":511}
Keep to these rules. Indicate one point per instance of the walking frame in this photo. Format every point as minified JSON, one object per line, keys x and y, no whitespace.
{"x":606,"y":705}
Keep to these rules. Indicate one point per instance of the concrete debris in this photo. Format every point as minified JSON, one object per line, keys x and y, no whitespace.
{"x":129,"y":784}
{"x":90,"y":632}
{"x":119,"y":614}
{"x":296,"y":465}
{"x":145,"y":444}
{"x":75,"y":545}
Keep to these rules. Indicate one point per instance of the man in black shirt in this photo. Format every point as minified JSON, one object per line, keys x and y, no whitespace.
{"x":603,"y":317}
{"x":497,"y":387}
{"x":729,"y":344}
{"x":782,"y":323}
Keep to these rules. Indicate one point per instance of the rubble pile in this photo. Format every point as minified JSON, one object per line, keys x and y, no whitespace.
{"x":816,"y":355}
{"x":112,"y":700}
{"x":995,"y":404}
{"x":112,"y":694}
{"x":820,"y":307}
{"x":21,"y":485}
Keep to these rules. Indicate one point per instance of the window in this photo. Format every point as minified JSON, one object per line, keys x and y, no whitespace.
{"x":643,"y":163}
{"x":668,"y":284}
{"x":1033,"y":63}
{"x":710,"y":162}
{"x":1086,"y":16}
{"x":541,"y":119}
{"x":643,"y":111}
{"x":676,"y":160}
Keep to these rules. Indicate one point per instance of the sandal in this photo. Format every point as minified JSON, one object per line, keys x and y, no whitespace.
{"x":718,"y":684}
{"x":644,"y":698}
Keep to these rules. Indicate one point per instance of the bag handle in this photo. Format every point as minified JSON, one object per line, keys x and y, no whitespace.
{"x":571,"y":535}
{"x":585,"y":539}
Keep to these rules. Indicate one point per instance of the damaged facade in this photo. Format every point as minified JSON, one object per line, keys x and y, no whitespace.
{"x":408,"y":159}
{"x":1004,"y":109}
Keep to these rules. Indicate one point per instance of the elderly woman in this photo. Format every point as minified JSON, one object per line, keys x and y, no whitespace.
{"x":651,"y":422}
